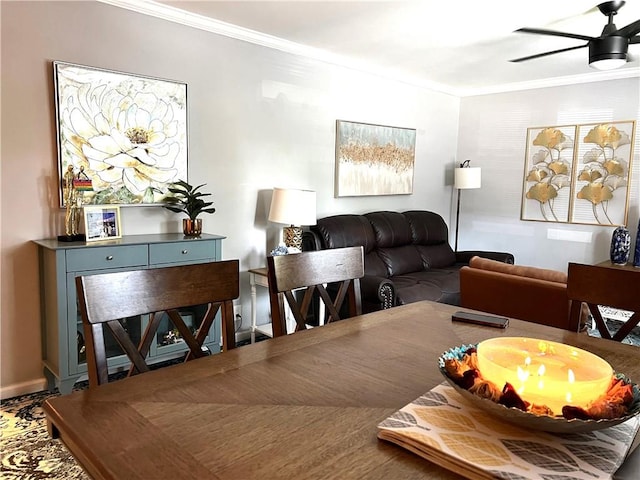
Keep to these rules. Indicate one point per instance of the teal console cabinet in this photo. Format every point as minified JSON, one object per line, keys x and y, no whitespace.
{"x":63,"y":349}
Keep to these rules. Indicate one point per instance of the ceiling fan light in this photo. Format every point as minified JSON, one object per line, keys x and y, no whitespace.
{"x":608,"y":63}
{"x":608,"y":53}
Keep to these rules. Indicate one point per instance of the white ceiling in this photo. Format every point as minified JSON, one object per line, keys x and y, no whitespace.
{"x":457,"y":46}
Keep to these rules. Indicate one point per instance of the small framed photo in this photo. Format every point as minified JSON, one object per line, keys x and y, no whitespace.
{"x":102,"y":223}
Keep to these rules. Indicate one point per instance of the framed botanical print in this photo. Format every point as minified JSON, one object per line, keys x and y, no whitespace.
{"x":604,"y":156}
{"x":547,"y":175}
{"x":126,"y":133}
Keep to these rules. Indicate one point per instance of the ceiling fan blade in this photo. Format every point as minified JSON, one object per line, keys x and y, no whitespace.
{"x":541,"y":31}
{"x":630,"y":30}
{"x":531,"y":57}
{"x":634,"y":39}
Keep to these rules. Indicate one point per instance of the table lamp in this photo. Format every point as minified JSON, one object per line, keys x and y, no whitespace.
{"x":466,"y":177}
{"x":293,"y":207}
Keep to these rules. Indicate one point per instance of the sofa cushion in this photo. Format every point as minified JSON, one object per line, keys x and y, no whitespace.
{"x":440,"y":285}
{"x":430,"y":235}
{"x":399,"y":260}
{"x":436,"y":256}
{"x":394,"y":239}
{"x":519,"y":270}
{"x":427,"y":228}
{"x":340,"y":231}
{"x":373,"y":265}
{"x":391,"y":229}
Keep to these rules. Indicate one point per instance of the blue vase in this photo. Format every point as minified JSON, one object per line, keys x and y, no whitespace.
{"x":620,"y":246}
{"x":636,"y":255}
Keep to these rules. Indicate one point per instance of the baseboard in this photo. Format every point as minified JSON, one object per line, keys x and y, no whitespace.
{"x":243,"y":335}
{"x":23,"y":388}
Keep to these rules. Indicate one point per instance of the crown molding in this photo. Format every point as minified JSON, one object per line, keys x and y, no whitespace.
{"x":172,"y":14}
{"x":600,"y":76}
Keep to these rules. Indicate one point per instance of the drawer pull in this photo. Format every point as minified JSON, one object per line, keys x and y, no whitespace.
{"x":184,"y":252}
{"x":109,"y":257}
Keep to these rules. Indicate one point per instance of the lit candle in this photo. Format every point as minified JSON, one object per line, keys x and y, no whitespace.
{"x":543,"y":372}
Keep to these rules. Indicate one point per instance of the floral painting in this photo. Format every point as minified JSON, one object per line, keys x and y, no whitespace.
{"x":603,"y":166}
{"x":547,"y":179}
{"x":374,"y":159}
{"x":125,"y":132}
{"x":578,"y":173}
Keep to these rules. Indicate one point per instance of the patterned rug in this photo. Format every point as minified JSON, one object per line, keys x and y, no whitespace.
{"x":29,"y":453}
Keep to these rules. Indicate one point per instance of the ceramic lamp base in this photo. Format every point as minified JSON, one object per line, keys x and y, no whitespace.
{"x":293,"y":237}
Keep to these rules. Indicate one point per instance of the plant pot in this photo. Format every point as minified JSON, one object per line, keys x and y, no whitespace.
{"x":192,"y":228}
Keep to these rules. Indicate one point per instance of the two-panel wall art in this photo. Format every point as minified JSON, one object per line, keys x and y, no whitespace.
{"x":578,"y":173}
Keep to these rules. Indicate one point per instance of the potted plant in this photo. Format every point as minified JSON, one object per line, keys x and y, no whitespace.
{"x":187,"y":199}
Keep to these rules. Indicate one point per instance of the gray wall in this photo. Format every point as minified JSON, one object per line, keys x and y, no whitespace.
{"x":493,"y":131}
{"x":258,"y":118}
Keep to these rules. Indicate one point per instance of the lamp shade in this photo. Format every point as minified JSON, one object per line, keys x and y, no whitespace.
{"x":467,"y":177}
{"x":293,"y":207}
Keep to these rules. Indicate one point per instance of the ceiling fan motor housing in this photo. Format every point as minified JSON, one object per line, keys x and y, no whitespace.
{"x":605,"y":48}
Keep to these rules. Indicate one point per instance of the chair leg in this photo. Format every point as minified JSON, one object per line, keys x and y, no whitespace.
{"x":600,"y":323}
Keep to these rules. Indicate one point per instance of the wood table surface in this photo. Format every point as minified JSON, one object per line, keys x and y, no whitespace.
{"x":302,"y":406}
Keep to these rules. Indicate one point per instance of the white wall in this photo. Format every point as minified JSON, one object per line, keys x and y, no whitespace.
{"x":258,"y":118}
{"x":492,"y":133}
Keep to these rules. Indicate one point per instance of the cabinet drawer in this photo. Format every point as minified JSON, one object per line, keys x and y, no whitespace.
{"x":177,"y":252}
{"x":99,"y":258}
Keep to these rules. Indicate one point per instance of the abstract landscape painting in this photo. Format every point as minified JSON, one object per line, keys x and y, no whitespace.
{"x":374,"y":159}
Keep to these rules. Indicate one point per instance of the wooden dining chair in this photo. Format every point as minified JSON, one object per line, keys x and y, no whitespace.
{"x":107,"y":298}
{"x":617,"y":287}
{"x":304,"y":274}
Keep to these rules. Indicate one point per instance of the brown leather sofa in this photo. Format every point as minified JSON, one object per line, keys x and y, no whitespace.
{"x":528,"y":293}
{"x":407,"y":255}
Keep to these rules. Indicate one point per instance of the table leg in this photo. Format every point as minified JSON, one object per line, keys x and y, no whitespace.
{"x":252,"y":282}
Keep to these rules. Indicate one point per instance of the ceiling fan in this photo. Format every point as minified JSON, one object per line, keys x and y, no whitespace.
{"x":606,"y":52}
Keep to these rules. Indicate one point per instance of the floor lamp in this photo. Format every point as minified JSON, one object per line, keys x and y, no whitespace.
{"x":466,"y":177}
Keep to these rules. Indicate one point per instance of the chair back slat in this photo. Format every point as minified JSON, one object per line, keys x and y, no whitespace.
{"x":109,"y":297}
{"x":312,"y":271}
{"x":159,"y":289}
{"x":321,"y":266}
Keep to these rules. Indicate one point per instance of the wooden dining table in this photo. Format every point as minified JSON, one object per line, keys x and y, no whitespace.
{"x":302,"y":406}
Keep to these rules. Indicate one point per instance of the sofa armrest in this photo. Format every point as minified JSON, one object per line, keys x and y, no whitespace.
{"x":310,"y":240}
{"x":464,"y":257}
{"x":377,"y":289}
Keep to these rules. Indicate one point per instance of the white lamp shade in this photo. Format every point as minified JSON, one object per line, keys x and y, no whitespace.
{"x":293,"y":207}
{"x":467,"y":177}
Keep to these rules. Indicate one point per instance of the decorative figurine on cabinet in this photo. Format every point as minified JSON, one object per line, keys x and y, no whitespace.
{"x":72,"y":186}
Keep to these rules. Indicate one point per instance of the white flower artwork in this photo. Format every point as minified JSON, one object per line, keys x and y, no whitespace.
{"x":127,"y":133}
